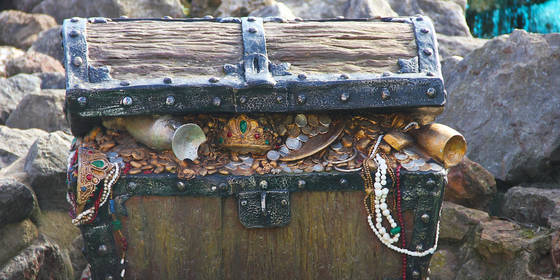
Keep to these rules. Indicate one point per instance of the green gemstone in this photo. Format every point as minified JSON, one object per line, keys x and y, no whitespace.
{"x":116,"y":225}
{"x":98,"y":163}
{"x":243,"y":126}
{"x":221,"y":140}
{"x":266,"y":142}
{"x":396,"y":230}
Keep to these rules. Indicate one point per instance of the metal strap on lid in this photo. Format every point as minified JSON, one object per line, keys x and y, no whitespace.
{"x":255,"y":58}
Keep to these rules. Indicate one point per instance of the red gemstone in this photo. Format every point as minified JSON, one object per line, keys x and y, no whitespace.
{"x":89,"y":176}
{"x":229,"y":134}
{"x":90,"y":152}
{"x":257,"y":136}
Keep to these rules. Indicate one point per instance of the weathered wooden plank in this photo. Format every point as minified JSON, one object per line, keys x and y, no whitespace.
{"x":340,"y":47}
{"x":202,"y":238}
{"x":158,"y":49}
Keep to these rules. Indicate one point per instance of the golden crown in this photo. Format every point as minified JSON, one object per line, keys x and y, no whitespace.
{"x":245,"y":135}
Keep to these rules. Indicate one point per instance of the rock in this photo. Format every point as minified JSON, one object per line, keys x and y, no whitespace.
{"x":311,"y":9}
{"x":443,"y":265}
{"x":15,"y":143}
{"x":20,"y":29}
{"x":62,"y":9}
{"x":200,"y":8}
{"x":499,"y":97}
{"x":501,"y":241}
{"x":33,"y":62}
{"x":457,"y":45}
{"x":79,"y":261}
{"x":42,"y":260}
{"x":12,"y":91}
{"x":527,"y":204}
{"x":42,"y":110}
{"x":16,"y":237}
{"x":52,"y":80}
{"x":555,"y":251}
{"x":457,"y":222}
{"x":469,"y":184}
{"x":448,"y":16}
{"x":277,"y":9}
{"x":26,"y":5}
{"x":7,"y":53}
{"x":45,"y":165}
{"x":16,"y":202}
{"x":49,"y":43}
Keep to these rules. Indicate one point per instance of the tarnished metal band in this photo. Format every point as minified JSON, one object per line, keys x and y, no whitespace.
{"x":75,"y":52}
{"x":255,"y":58}
{"x":425,"y":34}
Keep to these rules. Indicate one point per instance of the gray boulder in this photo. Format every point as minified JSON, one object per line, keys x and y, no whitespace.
{"x":448,"y":16}
{"x":527,"y":204}
{"x":42,"y":260}
{"x":311,"y":9}
{"x":7,"y":53}
{"x":42,"y":110}
{"x":13,"y":89}
{"x":16,"y":237}
{"x":62,"y":9}
{"x":49,"y":43}
{"x":16,"y":201}
{"x":15,"y":143}
{"x":277,"y":9}
{"x":52,"y":80}
{"x":33,"y":62}
{"x":45,"y":164}
{"x":504,"y":98}
{"x":457,"y":45}
{"x":20,"y":29}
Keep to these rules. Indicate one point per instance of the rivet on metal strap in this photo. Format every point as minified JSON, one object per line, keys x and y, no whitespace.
{"x":181,"y":186}
{"x":301,"y":184}
{"x":425,"y":218}
{"x":170,"y":100}
{"x":74,"y":33}
{"x":301,"y":99}
{"x":343,"y":182}
{"x":167,"y":80}
{"x":126,"y":101}
{"x":77,"y":61}
{"x":431,"y":92}
{"x":216,"y":101}
{"x":344,"y":97}
{"x":82,"y":100}
{"x":263,"y":184}
{"x":385,"y":94}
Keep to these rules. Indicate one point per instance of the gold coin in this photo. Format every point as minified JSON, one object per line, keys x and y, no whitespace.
{"x":323,"y":129}
{"x":301,"y":120}
{"x":347,"y":141}
{"x":313,"y":120}
{"x":288,"y":119}
{"x":325,"y":120}
{"x":306,"y":130}
{"x":293,"y":130}
{"x":282,"y":130}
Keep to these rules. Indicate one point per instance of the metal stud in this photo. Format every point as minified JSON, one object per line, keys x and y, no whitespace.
{"x":424,"y":30}
{"x":252,"y":30}
{"x":279,"y":99}
{"x":430,"y":183}
{"x":243,"y":202}
{"x":385,"y":94}
{"x":301,"y":184}
{"x":343,"y":182}
{"x":82,"y":100}
{"x":429,"y":74}
{"x":431,"y":92}
{"x":102,"y":250}
{"x":74,"y":33}
{"x":74,"y":19}
{"x":284,"y":202}
{"x":425,"y":218}
{"x":213,"y":80}
{"x":340,"y":17}
{"x":170,"y":100}
{"x":208,"y":17}
{"x":415,"y":274}
{"x":344,"y":77}
{"x":126,"y":101}
{"x":216,"y":101}
{"x":243,"y":99}
{"x":419,"y":19}
{"x":344,"y":97}
{"x":302,"y":76}
{"x":167,"y":80}
{"x":125,"y":83}
{"x":263,"y":184}
{"x":167,"y":17}
{"x":181,"y":186}
{"x":77,"y":61}
{"x":109,"y":277}
{"x":419,"y":247}
{"x":427,"y":52}
{"x":123,"y":17}
{"x":223,"y":186}
{"x":301,"y":99}
{"x":251,"y":19}
{"x":214,"y":188}
{"x":386,"y":74}
{"x":230,"y":68}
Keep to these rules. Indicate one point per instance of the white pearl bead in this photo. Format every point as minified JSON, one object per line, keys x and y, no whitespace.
{"x":383,"y":206}
{"x":386,"y":212}
{"x":383,"y":182}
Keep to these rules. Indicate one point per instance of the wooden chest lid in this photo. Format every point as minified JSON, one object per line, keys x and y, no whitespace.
{"x":120,"y":67}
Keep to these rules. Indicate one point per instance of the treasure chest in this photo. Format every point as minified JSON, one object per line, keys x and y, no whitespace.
{"x":256,"y":148}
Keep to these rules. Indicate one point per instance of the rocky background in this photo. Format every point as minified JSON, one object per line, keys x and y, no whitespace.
{"x":501,"y":216}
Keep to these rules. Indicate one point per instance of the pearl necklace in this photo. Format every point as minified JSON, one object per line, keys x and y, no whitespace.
{"x":381,"y":210}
